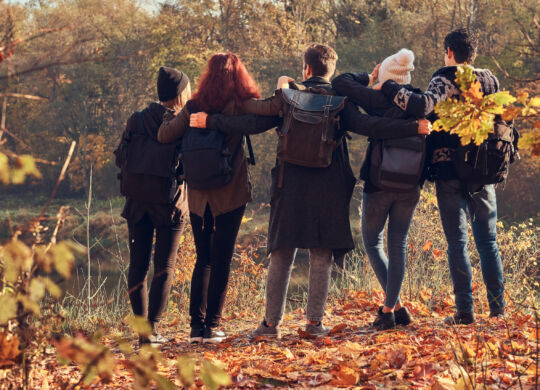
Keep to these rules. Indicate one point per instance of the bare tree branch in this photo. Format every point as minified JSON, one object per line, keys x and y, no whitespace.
{"x":71,"y":62}
{"x":23,"y":96}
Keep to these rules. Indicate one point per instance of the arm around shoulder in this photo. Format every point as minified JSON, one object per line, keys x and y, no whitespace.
{"x":268,"y":107}
{"x":242,"y":124}
{"x":173,"y":126}
{"x":376,"y":127}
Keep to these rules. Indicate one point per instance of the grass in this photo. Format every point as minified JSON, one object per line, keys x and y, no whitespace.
{"x":427,"y":277}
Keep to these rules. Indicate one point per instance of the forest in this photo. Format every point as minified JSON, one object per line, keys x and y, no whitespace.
{"x":71,"y":74}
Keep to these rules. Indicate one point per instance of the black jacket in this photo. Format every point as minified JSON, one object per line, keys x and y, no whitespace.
{"x":160,"y":214}
{"x":354,"y":86}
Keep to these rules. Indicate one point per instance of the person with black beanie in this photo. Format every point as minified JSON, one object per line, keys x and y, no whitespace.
{"x":144,"y":210}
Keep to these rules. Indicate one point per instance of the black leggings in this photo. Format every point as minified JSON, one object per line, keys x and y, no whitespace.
{"x":141,"y":235}
{"x":215,"y":239}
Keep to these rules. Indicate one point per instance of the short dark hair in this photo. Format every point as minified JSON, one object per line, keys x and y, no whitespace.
{"x":463,"y":43}
{"x":321,"y":59}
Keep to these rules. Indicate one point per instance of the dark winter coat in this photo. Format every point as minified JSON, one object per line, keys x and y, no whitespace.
{"x":160,"y":214}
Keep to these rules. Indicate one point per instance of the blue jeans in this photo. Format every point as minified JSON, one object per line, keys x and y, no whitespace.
{"x":398,"y":208}
{"x":482,"y":208}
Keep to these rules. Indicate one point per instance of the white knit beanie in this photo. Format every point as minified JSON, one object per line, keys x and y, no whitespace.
{"x":397,"y":67}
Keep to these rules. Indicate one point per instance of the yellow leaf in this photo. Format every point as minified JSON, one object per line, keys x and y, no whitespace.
{"x":63,"y":259}
{"x":139,"y":325}
{"x":17,"y":258}
{"x":8,"y":308}
{"x":213,"y":376}
{"x":535,"y":101}
{"x":53,"y":288}
{"x":36,"y":289}
{"x":4,"y":169}
{"x":186,"y":370}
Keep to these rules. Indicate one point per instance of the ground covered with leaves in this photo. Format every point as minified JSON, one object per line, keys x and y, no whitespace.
{"x":494,"y":353}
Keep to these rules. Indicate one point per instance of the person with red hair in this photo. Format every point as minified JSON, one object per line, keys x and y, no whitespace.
{"x":215,"y":214}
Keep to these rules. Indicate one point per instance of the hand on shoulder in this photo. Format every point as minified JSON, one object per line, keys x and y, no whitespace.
{"x":198,"y":120}
{"x":283,"y":82}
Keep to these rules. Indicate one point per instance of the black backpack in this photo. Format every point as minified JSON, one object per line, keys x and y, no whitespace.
{"x":397,"y":164}
{"x":150,"y":171}
{"x":207,"y":160}
{"x":489,"y":162}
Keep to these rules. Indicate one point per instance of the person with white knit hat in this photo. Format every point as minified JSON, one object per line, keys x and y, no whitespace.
{"x":397,"y":67}
{"x":382,"y":202}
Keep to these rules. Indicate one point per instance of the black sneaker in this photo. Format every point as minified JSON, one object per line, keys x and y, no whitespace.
{"x":403,"y":316}
{"x":196,"y":335}
{"x":384,"y":321}
{"x":213,"y":336}
{"x":460,"y":318}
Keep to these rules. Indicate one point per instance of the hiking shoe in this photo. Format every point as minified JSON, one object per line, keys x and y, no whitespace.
{"x":384,"y":321}
{"x":213,"y":336}
{"x":497,"y":313}
{"x":377,"y":321}
{"x":317,"y":330}
{"x":263,"y":330}
{"x":196,"y":335}
{"x":155,"y":340}
{"x":402,"y":316}
{"x":460,"y":318}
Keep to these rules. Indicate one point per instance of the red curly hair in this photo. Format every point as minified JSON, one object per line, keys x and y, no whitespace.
{"x":224,"y":79}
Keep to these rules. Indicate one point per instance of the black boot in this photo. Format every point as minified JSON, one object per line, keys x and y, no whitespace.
{"x":384,"y":321}
{"x":460,"y":318}
{"x":403,"y":316}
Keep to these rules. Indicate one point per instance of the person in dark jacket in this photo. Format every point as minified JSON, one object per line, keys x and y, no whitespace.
{"x":167,"y":220}
{"x":310,"y":209}
{"x":215,"y":214}
{"x":460,"y":48}
{"x":378,"y":205}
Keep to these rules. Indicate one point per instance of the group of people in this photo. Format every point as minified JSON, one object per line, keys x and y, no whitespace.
{"x":309,"y":205}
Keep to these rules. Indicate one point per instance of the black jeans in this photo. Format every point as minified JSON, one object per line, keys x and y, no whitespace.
{"x":215,"y":239}
{"x":141,"y":235}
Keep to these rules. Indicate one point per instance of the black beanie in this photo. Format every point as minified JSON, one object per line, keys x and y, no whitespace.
{"x":170,"y":83}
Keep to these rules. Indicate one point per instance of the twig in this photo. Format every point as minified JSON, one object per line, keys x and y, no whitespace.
{"x":22,"y":96}
{"x":53,"y":193}
{"x":71,"y":62}
{"x":88,"y":205}
{"x":505,"y":72}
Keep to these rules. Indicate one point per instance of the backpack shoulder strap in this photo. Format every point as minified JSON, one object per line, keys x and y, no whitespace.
{"x":251,"y":159}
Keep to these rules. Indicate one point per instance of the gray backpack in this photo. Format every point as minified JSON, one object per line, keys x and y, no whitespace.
{"x":397,"y":164}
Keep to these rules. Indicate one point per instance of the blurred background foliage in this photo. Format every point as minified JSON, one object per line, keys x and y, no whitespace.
{"x":77,"y":69}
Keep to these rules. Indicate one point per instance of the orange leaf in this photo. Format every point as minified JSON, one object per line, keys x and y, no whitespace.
{"x":427,"y":246}
{"x":338,"y":328}
{"x":305,"y":335}
{"x":345,"y":376}
{"x":9,"y":349}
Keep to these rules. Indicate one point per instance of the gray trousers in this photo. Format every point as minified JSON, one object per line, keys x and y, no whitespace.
{"x":279,"y":274}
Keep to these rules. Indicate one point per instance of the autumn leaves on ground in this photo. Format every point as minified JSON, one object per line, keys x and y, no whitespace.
{"x":493,"y":354}
{"x":77,"y":346}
